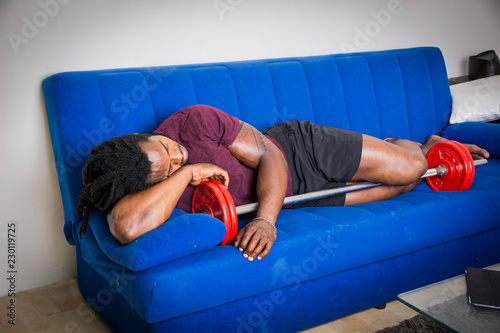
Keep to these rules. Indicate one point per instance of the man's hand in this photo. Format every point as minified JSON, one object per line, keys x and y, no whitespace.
{"x":207,"y":171}
{"x":255,"y":239}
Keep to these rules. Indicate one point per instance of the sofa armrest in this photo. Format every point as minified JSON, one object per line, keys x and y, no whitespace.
{"x":183,"y":234}
{"x":485,"y":135}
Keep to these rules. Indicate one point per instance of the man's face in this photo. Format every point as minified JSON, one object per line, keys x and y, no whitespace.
{"x":166,"y":156}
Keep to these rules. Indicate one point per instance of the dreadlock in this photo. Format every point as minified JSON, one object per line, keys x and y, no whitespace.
{"x":115,"y":168}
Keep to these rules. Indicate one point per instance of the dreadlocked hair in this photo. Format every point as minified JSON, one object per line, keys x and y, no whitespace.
{"x":115,"y":168}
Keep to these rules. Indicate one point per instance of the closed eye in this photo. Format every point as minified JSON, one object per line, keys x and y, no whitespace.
{"x":168,"y":153}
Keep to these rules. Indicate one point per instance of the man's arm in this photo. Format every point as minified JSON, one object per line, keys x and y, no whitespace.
{"x":138,"y":213}
{"x":256,"y":151}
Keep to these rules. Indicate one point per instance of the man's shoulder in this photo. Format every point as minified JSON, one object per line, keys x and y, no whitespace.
{"x":203,"y":111}
{"x":201,"y":120}
{"x":206,"y":116}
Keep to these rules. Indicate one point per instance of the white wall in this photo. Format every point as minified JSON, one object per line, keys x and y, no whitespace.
{"x":43,"y":37}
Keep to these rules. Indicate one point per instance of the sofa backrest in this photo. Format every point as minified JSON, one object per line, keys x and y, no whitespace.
{"x":395,"y":93}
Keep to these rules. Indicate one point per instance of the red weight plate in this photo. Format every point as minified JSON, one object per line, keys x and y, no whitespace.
{"x":232,"y":216}
{"x":468,"y":165}
{"x":209,"y":198}
{"x":454,"y":159}
{"x":206,"y":200}
{"x":458,"y":162}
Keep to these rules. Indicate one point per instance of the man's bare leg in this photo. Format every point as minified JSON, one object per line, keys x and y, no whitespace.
{"x":397,"y":163}
{"x":377,"y":193}
{"x":394,"y":162}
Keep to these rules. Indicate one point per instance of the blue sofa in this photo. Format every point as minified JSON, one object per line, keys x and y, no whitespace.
{"x":327,"y":262}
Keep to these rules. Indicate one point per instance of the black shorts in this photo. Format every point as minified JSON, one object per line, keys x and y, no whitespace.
{"x":319,"y":158}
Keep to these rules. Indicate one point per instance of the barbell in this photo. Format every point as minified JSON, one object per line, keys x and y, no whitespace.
{"x":451,"y":168}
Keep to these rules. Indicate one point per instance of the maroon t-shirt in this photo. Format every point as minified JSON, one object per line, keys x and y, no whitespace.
{"x":206,"y":132}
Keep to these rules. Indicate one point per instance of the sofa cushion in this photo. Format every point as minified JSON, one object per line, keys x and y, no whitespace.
{"x":477,"y":100}
{"x":181,"y":235}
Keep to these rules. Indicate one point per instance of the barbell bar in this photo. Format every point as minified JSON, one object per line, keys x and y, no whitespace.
{"x":452,"y":168}
{"x":252,"y":207}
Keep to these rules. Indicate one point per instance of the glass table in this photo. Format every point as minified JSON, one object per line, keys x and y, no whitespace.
{"x":446,"y":302}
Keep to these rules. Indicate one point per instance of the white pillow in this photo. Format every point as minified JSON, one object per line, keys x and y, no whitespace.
{"x":477,"y":100}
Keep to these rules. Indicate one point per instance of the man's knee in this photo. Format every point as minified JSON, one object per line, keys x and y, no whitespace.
{"x":413,"y":169}
{"x":420,"y":166}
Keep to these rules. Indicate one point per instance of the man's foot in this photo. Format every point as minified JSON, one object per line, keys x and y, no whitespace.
{"x":476,"y":152}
